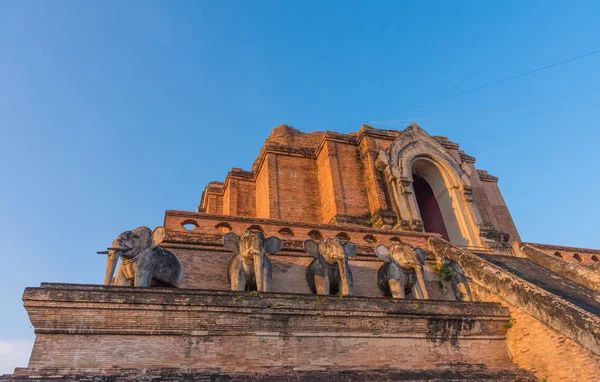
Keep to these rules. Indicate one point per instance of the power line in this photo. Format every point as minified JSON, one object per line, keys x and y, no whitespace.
{"x":438,"y":116}
{"x":511,"y":117}
{"x":498,"y":82}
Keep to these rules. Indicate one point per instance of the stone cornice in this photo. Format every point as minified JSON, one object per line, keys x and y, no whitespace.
{"x":285,"y":223}
{"x":485,"y":177}
{"x":559,"y":248}
{"x":465,"y":157}
{"x":444,"y":141}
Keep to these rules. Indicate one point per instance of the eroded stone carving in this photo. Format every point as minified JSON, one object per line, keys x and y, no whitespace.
{"x":452,"y":177}
{"x":458,"y":280}
{"x":329,"y":272}
{"x":402,"y":264}
{"x":250,"y":267}
{"x":143,"y":260}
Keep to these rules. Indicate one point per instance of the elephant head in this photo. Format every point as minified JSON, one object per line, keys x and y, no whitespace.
{"x":330,"y":266}
{"x":251,"y":262}
{"x":130,"y":245}
{"x":405,"y":257}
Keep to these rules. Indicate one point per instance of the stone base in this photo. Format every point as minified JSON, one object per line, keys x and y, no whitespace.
{"x":84,"y":329}
{"x":441,"y":372}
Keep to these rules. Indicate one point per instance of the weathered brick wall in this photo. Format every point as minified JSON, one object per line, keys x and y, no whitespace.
{"x":352,"y":192}
{"x":373,"y":179}
{"x":263,"y":209}
{"x":489,"y":199}
{"x":296,"y":189}
{"x":582,"y":256}
{"x":553,"y":338}
{"x":331,"y":178}
{"x":548,"y":354}
{"x":255,"y":353}
{"x":326,"y":188}
{"x":227,"y":205}
{"x":442,"y":372}
{"x":102,"y":328}
{"x":246,"y":198}
{"x":212,"y":198}
{"x":206,"y":224}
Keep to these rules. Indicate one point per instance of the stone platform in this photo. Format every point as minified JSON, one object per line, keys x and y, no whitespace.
{"x":456,"y":372}
{"x":83,"y":329}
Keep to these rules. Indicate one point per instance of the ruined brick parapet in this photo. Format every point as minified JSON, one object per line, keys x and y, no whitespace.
{"x":102,"y":329}
{"x":578,"y":273}
{"x":582,"y":256}
{"x":581,"y":325}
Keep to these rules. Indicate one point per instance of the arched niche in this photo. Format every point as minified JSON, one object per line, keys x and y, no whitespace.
{"x":434,"y":200}
{"x":449,"y":180}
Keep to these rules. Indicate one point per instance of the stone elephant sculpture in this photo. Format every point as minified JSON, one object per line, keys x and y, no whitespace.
{"x":402,"y":262}
{"x":143,"y":260}
{"x":250,"y":267}
{"x":329,"y":273}
{"x":459,"y":279}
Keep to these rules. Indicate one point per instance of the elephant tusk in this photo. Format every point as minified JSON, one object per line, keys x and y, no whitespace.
{"x":102,"y":252}
{"x":121,"y":249}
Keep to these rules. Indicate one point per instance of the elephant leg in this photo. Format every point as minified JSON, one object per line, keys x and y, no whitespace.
{"x":238,"y":280}
{"x":397,"y":288}
{"x":267,"y":275}
{"x":419,"y":288}
{"x":457,"y":293}
{"x":463,"y":290}
{"x":322,"y":285}
{"x":237,"y":277}
{"x":144,"y":269}
{"x":259,"y":271}
{"x":468,"y":290}
{"x":418,"y":292}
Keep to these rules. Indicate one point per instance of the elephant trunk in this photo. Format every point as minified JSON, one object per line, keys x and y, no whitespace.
{"x":346,"y":278}
{"x":421,"y":282}
{"x":259,"y":269}
{"x":111,"y":265}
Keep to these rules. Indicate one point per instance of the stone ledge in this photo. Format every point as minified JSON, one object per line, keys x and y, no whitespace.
{"x":90,"y":293}
{"x":441,"y":372}
{"x":552,"y":247}
{"x":175,"y":214}
{"x":580,"y":274}
{"x":87,"y":326}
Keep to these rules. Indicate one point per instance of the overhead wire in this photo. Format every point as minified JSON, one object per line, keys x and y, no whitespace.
{"x":510,"y":117}
{"x":442,"y":116}
{"x":497,"y":82}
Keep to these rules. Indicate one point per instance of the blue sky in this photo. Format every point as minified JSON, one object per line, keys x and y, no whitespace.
{"x":112,"y":112}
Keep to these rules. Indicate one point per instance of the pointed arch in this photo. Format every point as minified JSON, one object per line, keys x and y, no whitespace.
{"x":415,"y":150}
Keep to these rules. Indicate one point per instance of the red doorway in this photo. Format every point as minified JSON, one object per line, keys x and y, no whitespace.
{"x":428,"y":207}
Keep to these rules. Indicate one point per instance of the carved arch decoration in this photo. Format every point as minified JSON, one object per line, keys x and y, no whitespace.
{"x":414,"y":146}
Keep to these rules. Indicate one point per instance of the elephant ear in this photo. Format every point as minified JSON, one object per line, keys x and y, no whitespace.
{"x":350,"y":249}
{"x":383,"y":253}
{"x":231,"y":241}
{"x":422,"y":255}
{"x":312,"y":248}
{"x":158,"y":236}
{"x":273,"y":245}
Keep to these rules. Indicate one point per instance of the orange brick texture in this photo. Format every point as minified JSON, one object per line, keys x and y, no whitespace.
{"x":331,"y":178}
{"x":581,"y":256}
{"x":98,"y":328}
{"x":543,"y":351}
